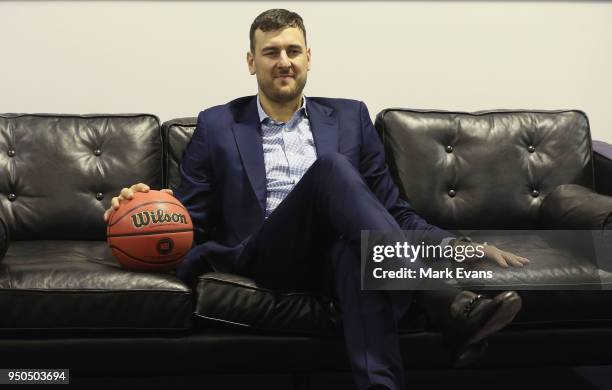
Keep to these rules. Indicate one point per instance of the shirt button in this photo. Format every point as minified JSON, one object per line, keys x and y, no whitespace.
{"x":531,"y":148}
{"x":11,"y":153}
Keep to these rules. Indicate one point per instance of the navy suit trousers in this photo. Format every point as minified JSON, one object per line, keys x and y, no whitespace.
{"x":312,"y":237}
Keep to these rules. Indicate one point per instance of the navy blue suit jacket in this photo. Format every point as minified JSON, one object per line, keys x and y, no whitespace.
{"x":223,"y":176}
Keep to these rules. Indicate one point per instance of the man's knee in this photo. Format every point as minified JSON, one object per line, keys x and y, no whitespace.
{"x":334,"y":169}
{"x":331,"y":162}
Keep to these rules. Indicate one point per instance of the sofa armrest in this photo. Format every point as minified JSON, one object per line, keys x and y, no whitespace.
{"x":572,"y":206}
{"x":602,"y":158}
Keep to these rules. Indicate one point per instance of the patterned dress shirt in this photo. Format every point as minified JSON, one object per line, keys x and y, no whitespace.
{"x":289,"y":151}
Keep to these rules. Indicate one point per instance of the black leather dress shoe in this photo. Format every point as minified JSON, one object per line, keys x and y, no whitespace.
{"x":474,"y":318}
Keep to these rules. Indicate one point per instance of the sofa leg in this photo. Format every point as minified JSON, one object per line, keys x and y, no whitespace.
{"x":301,"y":381}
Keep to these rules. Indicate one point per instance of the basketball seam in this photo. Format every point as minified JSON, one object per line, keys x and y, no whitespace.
{"x":145,"y":261}
{"x":150,"y":233}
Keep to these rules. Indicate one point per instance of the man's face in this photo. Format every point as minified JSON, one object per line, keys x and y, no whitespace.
{"x":281,"y":62}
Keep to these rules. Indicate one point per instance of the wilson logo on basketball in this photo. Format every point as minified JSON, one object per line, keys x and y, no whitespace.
{"x":145,"y":218}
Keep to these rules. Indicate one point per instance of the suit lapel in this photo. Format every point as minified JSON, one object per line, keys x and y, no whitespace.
{"x":250,"y":146}
{"x":324,"y":127}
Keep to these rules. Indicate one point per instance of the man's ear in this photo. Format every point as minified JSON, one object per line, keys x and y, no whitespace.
{"x":251,"y":62}
{"x":308,"y":56}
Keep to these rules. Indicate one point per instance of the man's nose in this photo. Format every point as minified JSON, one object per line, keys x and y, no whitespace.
{"x":283,"y":61}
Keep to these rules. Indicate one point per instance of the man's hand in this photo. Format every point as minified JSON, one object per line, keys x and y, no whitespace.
{"x":492,"y":253}
{"x":128,"y":194}
{"x":503,"y":258}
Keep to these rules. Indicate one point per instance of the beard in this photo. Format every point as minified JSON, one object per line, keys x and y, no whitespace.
{"x":284,"y":95}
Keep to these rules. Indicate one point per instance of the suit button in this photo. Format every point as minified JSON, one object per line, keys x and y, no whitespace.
{"x":452,"y":193}
{"x":449,"y":149}
{"x":535,"y":193}
{"x":11,"y":153}
{"x":531,"y":148}
{"x":97,"y":152}
{"x":12,"y":197}
{"x":99,"y":196}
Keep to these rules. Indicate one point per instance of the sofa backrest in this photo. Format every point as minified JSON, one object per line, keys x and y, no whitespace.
{"x":176,"y":134}
{"x":500,"y":164}
{"x":59,"y":172}
{"x":486,"y":169}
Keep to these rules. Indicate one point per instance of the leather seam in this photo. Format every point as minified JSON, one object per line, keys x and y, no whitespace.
{"x":86,"y":116}
{"x":88,"y":291}
{"x":262,"y":328}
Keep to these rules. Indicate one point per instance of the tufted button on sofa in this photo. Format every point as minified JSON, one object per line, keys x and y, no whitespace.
{"x":64,"y":298}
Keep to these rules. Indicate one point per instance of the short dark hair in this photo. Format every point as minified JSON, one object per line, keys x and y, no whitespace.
{"x":275,"y":19}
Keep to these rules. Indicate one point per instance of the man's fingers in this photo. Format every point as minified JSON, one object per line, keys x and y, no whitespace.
{"x":523,"y":260}
{"x":499,"y":259}
{"x":167,"y":191}
{"x":127,"y":193}
{"x":513,"y":260}
{"x":115,"y":203}
{"x":140,"y":187}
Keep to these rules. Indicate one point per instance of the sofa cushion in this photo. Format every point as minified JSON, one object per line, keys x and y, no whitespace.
{"x":79,"y":285}
{"x":59,"y":172}
{"x":562,"y":284}
{"x":485,"y":169}
{"x":561,"y":259}
{"x":238,"y":300}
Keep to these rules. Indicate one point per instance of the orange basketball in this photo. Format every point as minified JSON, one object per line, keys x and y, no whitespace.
{"x":150,"y":232}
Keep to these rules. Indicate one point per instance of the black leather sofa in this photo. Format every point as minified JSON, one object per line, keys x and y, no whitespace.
{"x":66,"y":303}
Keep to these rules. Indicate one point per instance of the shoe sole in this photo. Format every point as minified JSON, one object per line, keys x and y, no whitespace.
{"x":508,"y":309}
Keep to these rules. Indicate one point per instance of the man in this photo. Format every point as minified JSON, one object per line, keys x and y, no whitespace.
{"x":281,"y":186}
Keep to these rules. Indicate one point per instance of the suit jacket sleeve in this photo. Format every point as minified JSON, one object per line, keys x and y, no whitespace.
{"x":196,"y":190}
{"x":375,"y":171}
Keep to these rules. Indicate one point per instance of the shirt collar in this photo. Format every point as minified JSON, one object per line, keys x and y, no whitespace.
{"x":263,"y":116}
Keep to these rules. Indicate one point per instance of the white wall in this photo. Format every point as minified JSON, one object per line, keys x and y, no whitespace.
{"x":175,"y":58}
